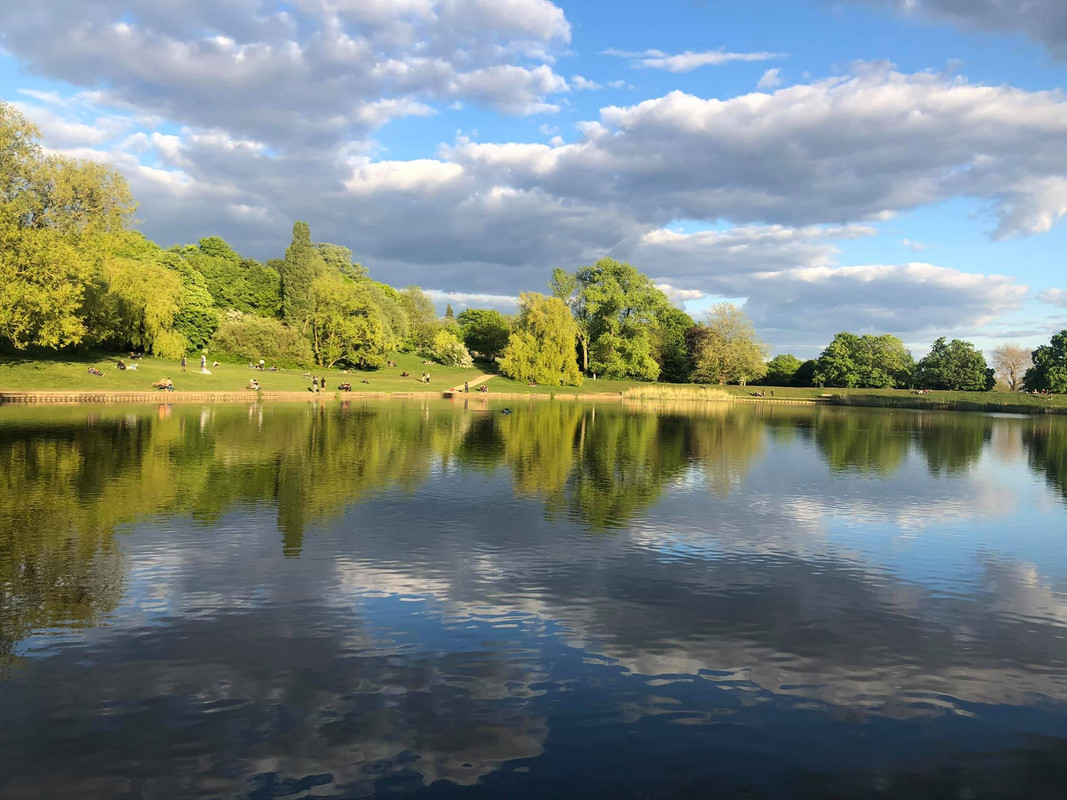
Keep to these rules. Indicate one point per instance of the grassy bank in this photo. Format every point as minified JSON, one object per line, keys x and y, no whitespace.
{"x":70,"y":373}
{"x":1002,"y":402}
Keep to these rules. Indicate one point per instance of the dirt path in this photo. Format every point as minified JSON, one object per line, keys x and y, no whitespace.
{"x":473,"y":382}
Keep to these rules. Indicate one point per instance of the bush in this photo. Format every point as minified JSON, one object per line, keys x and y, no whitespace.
{"x":254,"y":338}
{"x":449,"y":350}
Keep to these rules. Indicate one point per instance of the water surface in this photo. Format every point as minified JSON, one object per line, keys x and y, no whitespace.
{"x":438,"y":599}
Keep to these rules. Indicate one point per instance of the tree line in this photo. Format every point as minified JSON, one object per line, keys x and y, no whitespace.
{"x":73,"y":274}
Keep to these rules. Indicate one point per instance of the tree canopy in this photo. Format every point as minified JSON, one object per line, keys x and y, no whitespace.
{"x":865,"y":362}
{"x":1049,"y":370}
{"x":484,"y":331}
{"x":541,"y":346}
{"x":954,"y":365}
{"x":726,"y":349}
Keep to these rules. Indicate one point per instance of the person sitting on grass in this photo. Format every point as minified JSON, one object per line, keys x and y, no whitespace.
{"x":121,"y":365}
{"x":254,"y":385}
{"x":344,"y":387}
{"x":404,"y":374}
{"x":164,"y":385}
{"x":95,"y":371}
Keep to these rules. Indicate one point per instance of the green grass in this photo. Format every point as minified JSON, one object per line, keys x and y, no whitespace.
{"x":905,"y":398}
{"x":70,"y":373}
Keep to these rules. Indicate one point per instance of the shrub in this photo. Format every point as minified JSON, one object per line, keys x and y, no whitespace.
{"x":450,"y":351}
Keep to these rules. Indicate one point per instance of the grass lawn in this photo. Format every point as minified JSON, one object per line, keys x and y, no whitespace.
{"x":905,"y":398}
{"x":71,"y":373}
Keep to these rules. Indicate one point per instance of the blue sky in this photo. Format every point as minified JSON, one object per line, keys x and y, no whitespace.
{"x":871,"y":165}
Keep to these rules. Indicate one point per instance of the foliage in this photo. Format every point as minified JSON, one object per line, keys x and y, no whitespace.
{"x":671,"y":349}
{"x":726,"y":349}
{"x":868,"y":361}
{"x":234,"y":282}
{"x":619,"y":310}
{"x":338,"y":259}
{"x":805,"y":374}
{"x":781,"y":369}
{"x":954,"y":365}
{"x":1049,"y":370}
{"x":59,"y":219}
{"x":345,"y":324}
{"x":303,"y":264}
{"x":449,"y":350}
{"x":137,"y":300}
{"x":251,"y":338}
{"x":484,"y":331}
{"x":422,"y":317}
{"x":541,"y":345}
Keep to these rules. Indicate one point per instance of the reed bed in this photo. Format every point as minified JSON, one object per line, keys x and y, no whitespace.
{"x":660,"y":391}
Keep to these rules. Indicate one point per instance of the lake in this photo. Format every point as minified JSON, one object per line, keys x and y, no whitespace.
{"x":438,"y":599}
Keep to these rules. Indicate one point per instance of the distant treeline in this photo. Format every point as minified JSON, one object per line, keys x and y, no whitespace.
{"x":72,"y":274}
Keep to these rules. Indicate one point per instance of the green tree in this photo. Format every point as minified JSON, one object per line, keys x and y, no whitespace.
{"x":1049,"y":371}
{"x":59,"y":220}
{"x":421,"y":315}
{"x":868,"y":362}
{"x":781,"y":369}
{"x":338,"y":258}
{"x":726,"y":349}
{"x":345,"y":324}
{"x":136,"y":300}
{"x":805,"y":374}
{"x":564,"y":285}
{"x":954,"y":365}
{"x":303,"y":264}
{"x":484,"y":331}
{"x":670,"y":346}
{"x":623,"y":308}
{"x":449,"y":313}
{"x":541,"y":345}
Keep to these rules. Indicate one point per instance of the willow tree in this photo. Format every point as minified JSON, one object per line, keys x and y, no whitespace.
{"x":59,"y":219}
{"x":542,"y":342}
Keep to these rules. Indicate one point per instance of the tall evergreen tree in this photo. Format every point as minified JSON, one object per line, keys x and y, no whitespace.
{"x":303,"y":264}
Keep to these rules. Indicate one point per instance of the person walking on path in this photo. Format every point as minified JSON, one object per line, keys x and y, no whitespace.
{"x":184,"y":362}
{"x":466,"y":387}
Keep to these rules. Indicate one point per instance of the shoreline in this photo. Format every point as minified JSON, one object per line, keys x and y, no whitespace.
{"x":90,"y":397}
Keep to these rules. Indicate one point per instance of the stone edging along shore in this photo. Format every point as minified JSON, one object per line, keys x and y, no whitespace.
{"x":245,"y":396}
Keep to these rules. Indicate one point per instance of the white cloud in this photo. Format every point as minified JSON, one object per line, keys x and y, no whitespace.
{"x":493,"y":218}
{"x":325,"y":70}
{"x":580,"y":83}
{"x":916,"y":247}
{"x":687,"y":61}
{"x":771,"y":79}
{"x":1055,"y":297}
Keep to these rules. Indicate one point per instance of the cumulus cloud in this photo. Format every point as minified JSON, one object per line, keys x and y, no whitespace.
{"x":321,"y":70}
{"x":797,"y":171}
{"x":913,"y":300}
{"x":687,"y":61}
{"x":858,"y":147}
{"x":915,"y":247}
{"x":771,"y":79}
{"x":1044,"y":21}
{"x":1055,"y":297}
{"x":579,"y":83}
